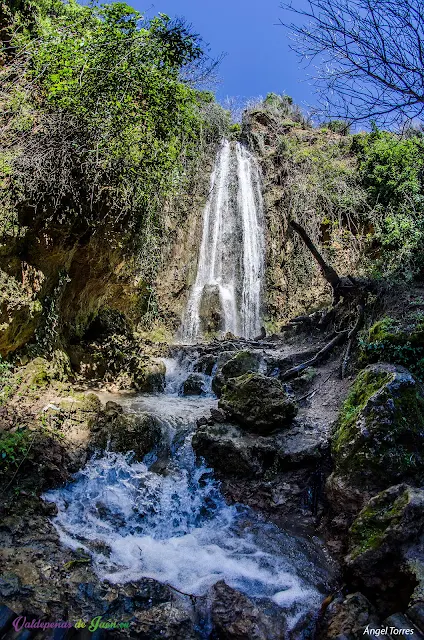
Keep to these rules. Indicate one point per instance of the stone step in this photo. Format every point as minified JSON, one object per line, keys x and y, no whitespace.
{"x":416,"y":615}
{"x":401,"y":623}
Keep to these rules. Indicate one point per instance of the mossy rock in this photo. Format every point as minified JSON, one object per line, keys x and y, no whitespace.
{"x":150,"y":376}
{"x":258,"y":403}
{"x":379,"y":436}
{"x":241,"y":363}
{"x":194,"y":385}
{"x":396,"y":341}
{"x":124,"y":432}
{"x":383,"y":533}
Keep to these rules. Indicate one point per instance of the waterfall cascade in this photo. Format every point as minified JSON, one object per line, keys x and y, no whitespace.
{"x":226,"y":295}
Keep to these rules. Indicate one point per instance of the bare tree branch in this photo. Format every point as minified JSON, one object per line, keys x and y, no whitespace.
{"x":368,"y":57}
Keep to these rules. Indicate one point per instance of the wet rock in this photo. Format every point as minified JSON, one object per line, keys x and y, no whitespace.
{"x":233,"y":452}
{"x":379,"y":437}
{"x":230,"y":451}
{"x":150,"y":376}
{"x":194,"y":385}
{"x":258,"y":403}
{"x":347,"y":617}
{"x":218,"y":415}
{"x":123,"y":432}
{"x":210,"y":310}
{"x":114,"y":406}
{"x":242,"y":362}
{"x":237,"y":617}
{"x":205,"y":364}
{"x":381,"y":535}
{"x":166,"y":621}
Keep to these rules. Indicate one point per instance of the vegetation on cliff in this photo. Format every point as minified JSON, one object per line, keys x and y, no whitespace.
{"x":102,"y":124}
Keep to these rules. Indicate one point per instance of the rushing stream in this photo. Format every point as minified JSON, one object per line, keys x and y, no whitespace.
{"x":171,"y":523}
{"x":231,"y":255}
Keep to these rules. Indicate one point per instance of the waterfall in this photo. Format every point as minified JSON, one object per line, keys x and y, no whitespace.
{"x":226,"y":295}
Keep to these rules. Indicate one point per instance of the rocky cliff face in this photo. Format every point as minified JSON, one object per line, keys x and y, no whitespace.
{"x":308,"y":174}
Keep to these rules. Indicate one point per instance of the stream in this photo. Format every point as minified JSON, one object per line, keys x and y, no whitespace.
{"x":165,"y":517}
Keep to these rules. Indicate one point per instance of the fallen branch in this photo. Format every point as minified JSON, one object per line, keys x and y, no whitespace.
{"x":294,"y":371}
{"x":342,"y":286}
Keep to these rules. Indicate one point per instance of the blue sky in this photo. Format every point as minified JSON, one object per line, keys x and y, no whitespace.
{"x":258,"y":58}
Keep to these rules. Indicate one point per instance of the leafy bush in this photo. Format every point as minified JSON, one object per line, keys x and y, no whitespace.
{"x":104,"y":122}
{"x":392,"y":171}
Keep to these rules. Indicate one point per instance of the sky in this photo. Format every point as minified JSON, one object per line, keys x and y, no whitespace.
{"x":258,"y":58}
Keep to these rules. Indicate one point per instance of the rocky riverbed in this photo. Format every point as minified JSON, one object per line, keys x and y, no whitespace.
{"x":250,"y":507}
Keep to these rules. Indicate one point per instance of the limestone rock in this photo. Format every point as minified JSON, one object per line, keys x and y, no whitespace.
{"x":150,"y":376}
{"x":258,"y":403}
{"x":392,"y":519}
{"x":194,"y":385}
{"x":230,"y":451}
{"x":242,"y":362}
{"x":123,"y":432}
{"x":348,"y":617}
{"x":379,"y":437}
{"x":236,"y":617}
{"x":210,"y":312}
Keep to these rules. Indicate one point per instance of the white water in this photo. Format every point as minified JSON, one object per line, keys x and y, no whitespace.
{"x":173,"y":524}
{"x":231,"y":255}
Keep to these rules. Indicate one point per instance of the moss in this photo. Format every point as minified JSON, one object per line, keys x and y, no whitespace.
{"x":365,"y":386}
{"x":369,"y":529}
{"x":379,"y":434}
{"x":397,"y":341}
{"x":13,"y":447}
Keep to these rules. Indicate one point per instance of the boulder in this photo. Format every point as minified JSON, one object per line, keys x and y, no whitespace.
{"x":242,"y":362}
{"x":379,"y":436}
{"x":237,"y":617}
{"x":258,"y":403}
{"x":210,"y":311}
{"x":150,"y":376}
{"x":389,"y":523}
{"x":123,"y":432}
{"x":194,"y":385}
{"x":348,"y":617}
{"x":233,"y":453}
{"x":237,"y":453}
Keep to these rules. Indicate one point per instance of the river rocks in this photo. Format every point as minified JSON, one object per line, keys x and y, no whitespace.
{"x":379,"y":436}
{"x":236,"y":617}
{"x":347,"y":618}
{"x":235,"y":453}
{"x":242,"y":362}
{"x":123,"y":432}
{"x":149,"y":376}
{"x":382,"y":533}
{"x":194,"y":385}
{"x":230,"y":451}
{"x":210,"y":310}
{"x":258,"y":403}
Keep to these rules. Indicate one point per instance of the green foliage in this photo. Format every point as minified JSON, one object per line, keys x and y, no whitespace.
{"x":109,"y":129}
{"x":392,"y":170}
{"x":338,"y":126}
{"x":13,"y":447}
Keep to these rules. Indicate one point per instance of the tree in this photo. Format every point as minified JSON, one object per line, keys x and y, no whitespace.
{"x":369,"y":57}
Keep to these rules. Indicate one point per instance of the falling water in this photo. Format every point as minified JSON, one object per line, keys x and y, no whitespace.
{"x":231,"y":256}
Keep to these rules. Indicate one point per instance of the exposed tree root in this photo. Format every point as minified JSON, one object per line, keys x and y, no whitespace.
{"x":346,"y":287}
{"x":294,"y":371}
{"x":351,"y":338}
